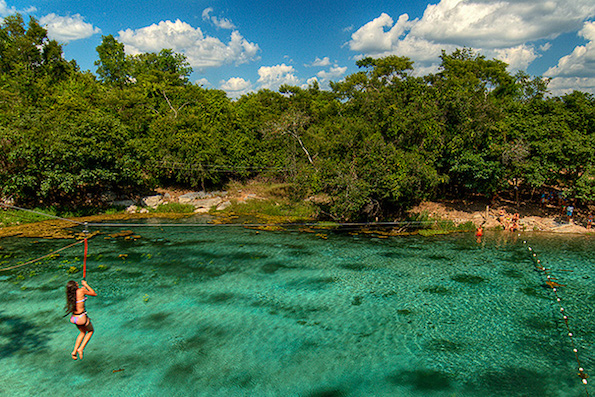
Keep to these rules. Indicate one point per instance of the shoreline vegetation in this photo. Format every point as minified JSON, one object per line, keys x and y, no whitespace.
{"x":383,"y":144}
{"x":259,"y":206}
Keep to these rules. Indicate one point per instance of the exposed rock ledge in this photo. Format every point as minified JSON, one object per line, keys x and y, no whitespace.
{"x":202,"y":201}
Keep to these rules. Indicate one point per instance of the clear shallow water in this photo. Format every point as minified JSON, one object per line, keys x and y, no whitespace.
{"x":230,"y":311}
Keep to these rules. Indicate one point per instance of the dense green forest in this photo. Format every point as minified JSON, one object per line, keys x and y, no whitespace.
{"x":374,"y":144}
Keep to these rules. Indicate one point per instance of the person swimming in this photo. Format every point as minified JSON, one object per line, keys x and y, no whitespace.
{"x":75,"y":305}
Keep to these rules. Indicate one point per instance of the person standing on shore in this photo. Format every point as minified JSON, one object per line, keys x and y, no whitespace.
{"x":569,"y":211}
{"x":75,"y":304}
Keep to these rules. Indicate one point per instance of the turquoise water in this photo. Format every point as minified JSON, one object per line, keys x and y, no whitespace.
{"x":229,"y":311}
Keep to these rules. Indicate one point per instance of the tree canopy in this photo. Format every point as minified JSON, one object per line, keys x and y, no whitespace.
{"x":374,"y":144}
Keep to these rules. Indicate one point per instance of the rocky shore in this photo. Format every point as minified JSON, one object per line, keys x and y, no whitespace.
{"x":531,"y":217}
{"x":202,"y":201}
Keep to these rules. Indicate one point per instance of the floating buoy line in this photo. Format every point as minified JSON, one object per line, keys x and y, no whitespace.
{"x":554,"y":286}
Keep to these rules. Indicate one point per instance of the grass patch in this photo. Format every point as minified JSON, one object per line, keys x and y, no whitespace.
{"x":264,"y":189}
{"x":428,"y":226}
{"x":173,"y":208}
{"x":274,"y":208}
{"x":10,"y":217}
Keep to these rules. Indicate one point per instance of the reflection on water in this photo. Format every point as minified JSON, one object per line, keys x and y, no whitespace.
{"x":231,"y":311}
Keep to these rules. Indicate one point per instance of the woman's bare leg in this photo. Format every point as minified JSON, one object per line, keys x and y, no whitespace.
{"x":88,"y":336}
{"x":77,"y":343}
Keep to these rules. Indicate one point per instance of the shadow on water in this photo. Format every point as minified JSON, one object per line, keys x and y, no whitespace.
{"x":273,"y":267}
{"x":155,"y":321}
{"x":328,"y":393}
{"x":468,"y":279}
{"x":513,"y":273}
{"x":20,"y":337}
{"x":436,"y":289}
{"x":354,"y":266}
{"x":196,"y":349}
{"x":424,"y":380}
{"x":313,"y":283}
{"x":510,"y":382}
{"x":444,"y":345}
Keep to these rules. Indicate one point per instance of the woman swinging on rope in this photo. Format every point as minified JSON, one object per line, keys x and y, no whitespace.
{"x":75,"y":304}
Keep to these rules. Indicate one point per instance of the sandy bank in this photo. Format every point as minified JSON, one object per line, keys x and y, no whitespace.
{"x":550,"y":220}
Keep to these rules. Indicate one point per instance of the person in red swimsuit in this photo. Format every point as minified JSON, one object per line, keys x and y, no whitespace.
{"x":75,"y":304}
{"x":479,"y":233}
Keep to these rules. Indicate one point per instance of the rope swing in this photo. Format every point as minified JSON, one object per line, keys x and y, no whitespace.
{"x":85,"y":260}
{"x":554,"y":286}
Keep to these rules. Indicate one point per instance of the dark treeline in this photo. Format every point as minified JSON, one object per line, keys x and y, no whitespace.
{"x":373,"y":145}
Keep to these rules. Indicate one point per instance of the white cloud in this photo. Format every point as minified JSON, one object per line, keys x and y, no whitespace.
{"x":576,"y":70}
{"x":500,"y":23}
{"x":203,"y":82}
{"x":372,"y":37}
{"x":545,"y":47}
{"x":202,"y":51}
{"x":581,"y":62}
{"x":517,"y":58}
{"x":320,"y":62}
{"x":333,"y":73}
{"x":271,"y":77}
{"x":235,"y":87}
{"x":5,"y":10}
{"x":222,"y":23}
{"x":66,"y":29}
{"x":310,"y":82}
{"x":485,"y":24}
{"x":504,"y":29}
{"x":235,"y":84}
{"x":565,"y":85}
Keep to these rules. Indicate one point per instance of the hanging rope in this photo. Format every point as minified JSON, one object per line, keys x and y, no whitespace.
{"x":43,"y":257}
{"x":85,"y":260}
{"x":554,"y":286}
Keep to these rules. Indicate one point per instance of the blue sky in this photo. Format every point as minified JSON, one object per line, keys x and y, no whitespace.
{"x":241,"y":46}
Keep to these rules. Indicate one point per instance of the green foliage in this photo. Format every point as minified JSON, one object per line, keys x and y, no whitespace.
{"x":273,"y":208}
{"x":378,"y":142}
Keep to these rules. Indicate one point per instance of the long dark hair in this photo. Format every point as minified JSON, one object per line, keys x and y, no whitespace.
{"x":71,"y":288}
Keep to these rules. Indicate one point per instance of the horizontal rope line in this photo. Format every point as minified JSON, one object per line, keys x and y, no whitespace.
{"x":330,"y":224}
{"x":40,"y":213}
{"x":38,"y":259}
